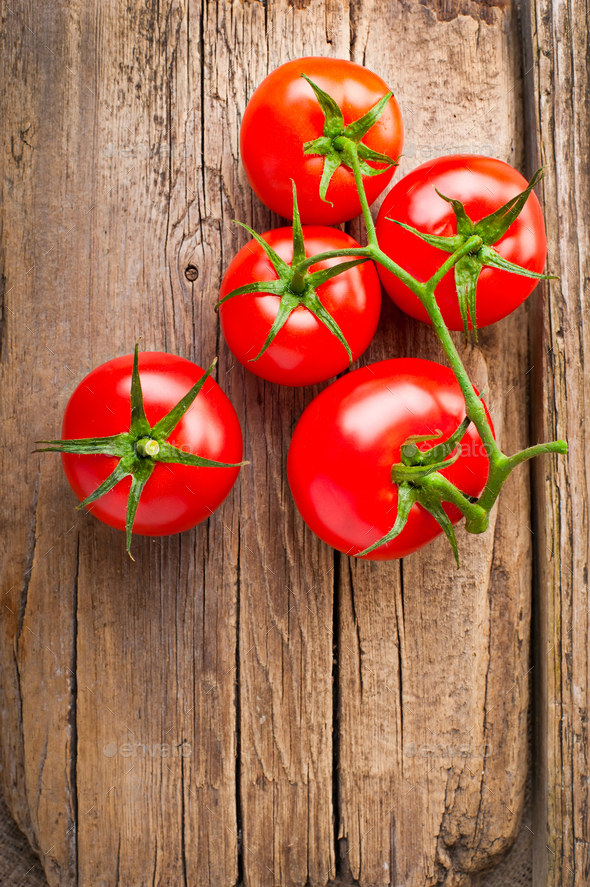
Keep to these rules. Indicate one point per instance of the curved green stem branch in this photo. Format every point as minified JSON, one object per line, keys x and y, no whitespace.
{"x":425,"y":292}
{"x":554,"y":446}
{"x":351,"y":153}
{"x":332,"y":254}
{"x":373,"y":250}
{"x":417,"y":477}
{"x":500,"y":465}
{"x":448,"y":492}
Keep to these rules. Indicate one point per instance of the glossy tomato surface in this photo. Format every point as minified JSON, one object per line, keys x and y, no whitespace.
{"x":304,"y":351}
{"x":176,"y":497}
{"x":483,"y":184}
{"x":343,"y":447}
{"x":284,"y":112}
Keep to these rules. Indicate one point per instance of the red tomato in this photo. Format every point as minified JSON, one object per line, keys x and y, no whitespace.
{"x":350,"y":435}
{"x":304,"y":351}
{"x":284,"y":112}
{"x":176,"y":497}
{"x":483,"y":185}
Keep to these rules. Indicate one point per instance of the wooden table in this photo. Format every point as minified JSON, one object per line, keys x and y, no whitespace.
{"x":243,"y":704}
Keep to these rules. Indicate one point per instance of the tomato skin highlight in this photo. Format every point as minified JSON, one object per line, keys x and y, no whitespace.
{"x":304,"y":351}
{"x":483,"y":184}
{"x":350,"y":435}
{"x":176,"y":497}
{"x":283,"y":113}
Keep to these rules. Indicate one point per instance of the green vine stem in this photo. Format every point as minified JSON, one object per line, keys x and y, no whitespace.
{"x":435,"y":484}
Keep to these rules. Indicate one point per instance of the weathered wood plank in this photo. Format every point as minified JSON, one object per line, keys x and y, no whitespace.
{"x":433,"y":661}
{"x":152,"y":647}
{"x":558,"y":120}
{"x":286,"y":575}
{"x":164,"y":161}
{"x":121,"y":161}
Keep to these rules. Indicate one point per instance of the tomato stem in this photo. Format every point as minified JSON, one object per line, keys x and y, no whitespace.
{"x":473,"y":250}
{"x":297,"y":283}
{"x":351,"y":153}
{"x":500,"y":465}
{"x":373,"y":250}
{"x":146,"y":446}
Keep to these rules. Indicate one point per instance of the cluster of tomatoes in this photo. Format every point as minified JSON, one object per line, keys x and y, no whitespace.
{"x":295,"y":316}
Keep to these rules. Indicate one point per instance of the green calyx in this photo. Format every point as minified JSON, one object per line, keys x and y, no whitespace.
{"x":140,"y":448}
{"x":295,"y":284}
{"x":339,"y":139}
{"x":419,"y":481}
{"x":489,"y":231}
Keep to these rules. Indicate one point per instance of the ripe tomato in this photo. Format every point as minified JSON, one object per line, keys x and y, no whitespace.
{"x":176,"y":497}
{"x":304,"y":351}
{"x":483,"y":185}
{"x":283,"y":114}
{"x":350,"y":435}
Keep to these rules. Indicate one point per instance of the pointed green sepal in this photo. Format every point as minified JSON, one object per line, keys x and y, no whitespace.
{"x":366,"y":153}
{"x":401,"y":472}
{"x":494,"y":226}
{"x":367,"y":170}
{"x":321,"y":146}
{"x":411,"y":455}
{"x":117,"y":445}
{"x":298,"y":243}
{"x":139,"y":424}
{"x":467,"y":271}
{"x":488,"y":256}
{"x":319,"y":277}
{"x":288,"y":304}
{"x":164,"y":428}
{"x":334,"y":254}
{"x":172,"y":455}
{"x":272,"y":287}
{"x":464,"y":224}
{"x":435,"y":508}
{"x":448,"y":244}
{"x":360,"y":127}
{"x":407,"y":496}
{"x":333,"y":119}
{"x":297,"y":286}
{"x":125,"y":466}
{"x":312,"y":303}
{"x":331,"y":164}
{"x":337,"y":138}
{"x":278,"y":264}
{"x":141,"y":474}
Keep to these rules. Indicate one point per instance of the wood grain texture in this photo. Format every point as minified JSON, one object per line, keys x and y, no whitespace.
{"x":433,"y":662}
{"x":557,"y":44}
{"x":172,"y":721}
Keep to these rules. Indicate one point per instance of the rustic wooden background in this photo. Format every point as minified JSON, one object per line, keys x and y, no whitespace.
{"x":301,"y":685}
